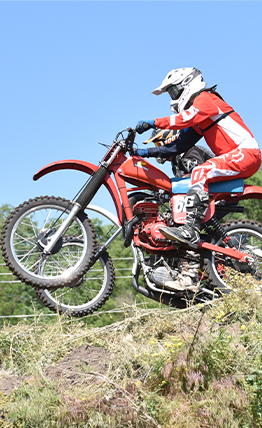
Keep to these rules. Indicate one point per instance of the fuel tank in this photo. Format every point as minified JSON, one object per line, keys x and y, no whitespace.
{"x":138,"y":171}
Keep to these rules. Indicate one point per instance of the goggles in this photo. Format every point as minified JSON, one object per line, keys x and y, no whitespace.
{"x":174,"y":92}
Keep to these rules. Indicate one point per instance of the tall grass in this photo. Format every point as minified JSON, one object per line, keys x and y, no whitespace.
{"x":197,"y":367}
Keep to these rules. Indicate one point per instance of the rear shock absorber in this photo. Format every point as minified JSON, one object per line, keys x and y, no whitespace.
{"x":220,"y":230}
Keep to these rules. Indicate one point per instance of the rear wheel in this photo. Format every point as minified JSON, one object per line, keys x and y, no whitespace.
{"x":222,"y":271}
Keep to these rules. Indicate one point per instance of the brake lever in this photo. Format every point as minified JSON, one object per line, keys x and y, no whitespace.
{"x":131,"y":135}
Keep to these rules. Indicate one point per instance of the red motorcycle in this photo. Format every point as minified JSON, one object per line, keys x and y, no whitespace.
{"x":50,"y":243}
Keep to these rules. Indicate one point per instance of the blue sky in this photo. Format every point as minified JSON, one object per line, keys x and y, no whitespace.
{"x":75,"y":73}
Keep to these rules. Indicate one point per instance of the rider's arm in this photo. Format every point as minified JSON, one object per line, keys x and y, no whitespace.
{"x":188,"y":138}
{"x":203,"y":108}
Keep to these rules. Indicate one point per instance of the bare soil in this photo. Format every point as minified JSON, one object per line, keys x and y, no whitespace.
{"x":69,"y":370}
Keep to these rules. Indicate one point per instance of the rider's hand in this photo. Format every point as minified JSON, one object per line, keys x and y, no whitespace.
{"x":145,"y":125}
{"x":141,"y":152}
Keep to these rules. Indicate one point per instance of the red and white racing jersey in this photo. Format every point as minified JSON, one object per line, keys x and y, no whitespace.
{"x":228,"y":134}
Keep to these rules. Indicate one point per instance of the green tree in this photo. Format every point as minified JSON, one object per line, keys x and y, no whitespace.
{"x":16,"y":298}
{"x":5,"y":210}
{"x":252,"y":207}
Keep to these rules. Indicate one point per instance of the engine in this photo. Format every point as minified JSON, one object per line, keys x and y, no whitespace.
{"x":151,"y":222}
{"x":159,"y":270}
{"x":160,"y":275}
{"x":148,"y":209}
{"x":162,"y":272}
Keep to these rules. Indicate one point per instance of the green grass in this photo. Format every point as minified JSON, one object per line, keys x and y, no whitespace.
{"x":198,"y":367}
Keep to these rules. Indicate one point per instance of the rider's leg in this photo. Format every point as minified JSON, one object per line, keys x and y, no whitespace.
{"x":238,"y":163}
{"x":196,"y":206}
{"x":235,"y":164}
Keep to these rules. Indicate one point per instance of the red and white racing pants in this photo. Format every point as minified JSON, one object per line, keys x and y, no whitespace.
{"x":239,"y":163}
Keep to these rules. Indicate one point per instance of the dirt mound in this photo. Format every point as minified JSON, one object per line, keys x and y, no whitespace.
{"x":69,"y":370}
{"x":9,"y":383}
{"x":86,"y":358}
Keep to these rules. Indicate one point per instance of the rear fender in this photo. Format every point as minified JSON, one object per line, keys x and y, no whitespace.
{"x":88,"y":168}
{"x":251,"y":192}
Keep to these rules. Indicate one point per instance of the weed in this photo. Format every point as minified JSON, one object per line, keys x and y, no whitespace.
{"x":164,"y":368}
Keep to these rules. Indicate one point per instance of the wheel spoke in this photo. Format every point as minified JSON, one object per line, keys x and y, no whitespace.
{"x":28,"y":231}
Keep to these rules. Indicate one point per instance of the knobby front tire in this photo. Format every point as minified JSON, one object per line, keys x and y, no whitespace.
{"x":26,"y":232}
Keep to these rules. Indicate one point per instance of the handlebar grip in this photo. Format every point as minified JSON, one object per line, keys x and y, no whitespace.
{"x":146,"y":126}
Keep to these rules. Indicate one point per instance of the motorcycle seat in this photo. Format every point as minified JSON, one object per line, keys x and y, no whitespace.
{"x":181,"y":185}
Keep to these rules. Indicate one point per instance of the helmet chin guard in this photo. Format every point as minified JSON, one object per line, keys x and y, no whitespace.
{"x":181,"y":84}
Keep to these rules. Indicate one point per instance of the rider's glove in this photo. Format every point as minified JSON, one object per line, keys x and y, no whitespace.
{"x":141,"y":152}
{"x":145,"y":125}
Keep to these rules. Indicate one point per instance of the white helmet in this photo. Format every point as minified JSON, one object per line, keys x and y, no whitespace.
{"x":181,"y":84}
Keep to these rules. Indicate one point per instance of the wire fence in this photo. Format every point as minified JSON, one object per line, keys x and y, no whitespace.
{"x":16,"y":281}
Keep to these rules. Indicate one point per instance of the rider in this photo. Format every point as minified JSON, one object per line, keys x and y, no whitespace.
{"x":200,"y":111}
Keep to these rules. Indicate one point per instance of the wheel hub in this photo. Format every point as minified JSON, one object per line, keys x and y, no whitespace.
{"x":248,"y":267}
{"x":44,"y":237}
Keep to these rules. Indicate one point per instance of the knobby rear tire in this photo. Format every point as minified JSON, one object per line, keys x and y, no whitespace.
{"x":220,"y":271}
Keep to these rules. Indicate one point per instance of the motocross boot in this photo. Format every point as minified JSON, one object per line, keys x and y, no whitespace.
{"x":196,"y":206}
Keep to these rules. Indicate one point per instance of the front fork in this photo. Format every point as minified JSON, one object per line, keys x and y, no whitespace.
{"x":82,"y":201}
{"x":51,"y":241}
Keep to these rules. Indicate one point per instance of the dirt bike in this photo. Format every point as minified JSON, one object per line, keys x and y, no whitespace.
{"x":50,"y":243}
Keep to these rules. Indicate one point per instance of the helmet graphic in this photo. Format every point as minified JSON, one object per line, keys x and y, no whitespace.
{"x":161,"y":137}
{"x":182,"y":85}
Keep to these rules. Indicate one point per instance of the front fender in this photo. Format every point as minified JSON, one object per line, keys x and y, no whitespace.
{"x":88,"y":168}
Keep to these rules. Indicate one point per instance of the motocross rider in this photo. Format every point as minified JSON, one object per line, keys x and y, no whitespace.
{"x":200,"y":111}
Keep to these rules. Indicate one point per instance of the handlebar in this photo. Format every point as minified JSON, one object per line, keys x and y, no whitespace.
{"x":126,"y":142}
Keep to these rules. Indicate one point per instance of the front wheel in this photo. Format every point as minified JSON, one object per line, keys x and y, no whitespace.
{"x":26,"y":232}
{"x":221,"y":272}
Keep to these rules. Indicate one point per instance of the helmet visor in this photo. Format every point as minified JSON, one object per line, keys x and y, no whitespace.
{"x":174,"y":92}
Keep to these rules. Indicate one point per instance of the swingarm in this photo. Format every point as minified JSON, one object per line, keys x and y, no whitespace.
{"x":230,"y":252}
